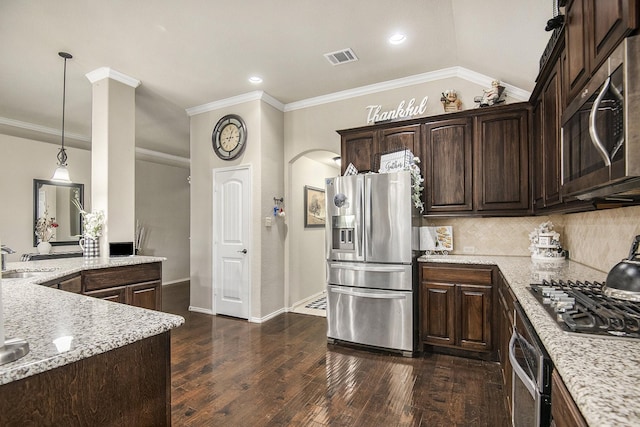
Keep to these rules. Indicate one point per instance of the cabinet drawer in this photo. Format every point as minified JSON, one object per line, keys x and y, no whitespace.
{"x":120,"y":276}
{"x":479,"y":276}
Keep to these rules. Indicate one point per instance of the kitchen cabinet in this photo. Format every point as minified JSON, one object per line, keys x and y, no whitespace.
{"x":364,"y":147}
{"x":138,"y":285}
{"x":129,"y":385}
{"x":506,"y":314}
{"x":358,"y":148}
{"x":399,"y":138}
{"x":475,"y":162}
{"x":546,"y":146}
{"x":564,"y":412}
{"x":456,"y":309}
{"x":593,"y":28}
{"x":70,"y":283}
{"x":448,"y":166}
{"x":501,"y":161}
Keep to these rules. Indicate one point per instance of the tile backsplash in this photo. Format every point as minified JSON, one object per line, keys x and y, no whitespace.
{"x":599,"y":239}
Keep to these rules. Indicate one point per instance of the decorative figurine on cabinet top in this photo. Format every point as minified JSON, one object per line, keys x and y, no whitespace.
{"x":494,"y":95}
{"x":450,"y":101}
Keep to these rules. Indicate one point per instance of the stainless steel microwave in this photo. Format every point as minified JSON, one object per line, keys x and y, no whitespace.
{"x":601,"y":130}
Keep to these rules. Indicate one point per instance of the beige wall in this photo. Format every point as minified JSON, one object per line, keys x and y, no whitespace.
{"x":162,"y":207}
{"x":599,"y":239}
{"x":22,"y":161}
{"x":166,"y":212}
{"x":306,"y":266}
{"x":264,"y":154}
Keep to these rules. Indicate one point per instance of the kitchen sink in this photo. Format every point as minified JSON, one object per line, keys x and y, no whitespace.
{"x":22,"y":274}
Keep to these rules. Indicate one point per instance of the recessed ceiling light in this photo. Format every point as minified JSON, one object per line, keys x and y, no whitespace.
{"x":255,"y":80}
{"x":397,"y":38}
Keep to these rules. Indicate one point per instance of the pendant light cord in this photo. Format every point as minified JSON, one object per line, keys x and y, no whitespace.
{"x":62,"y":154}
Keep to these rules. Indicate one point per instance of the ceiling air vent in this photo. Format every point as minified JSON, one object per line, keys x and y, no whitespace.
{"x":341,"y":56}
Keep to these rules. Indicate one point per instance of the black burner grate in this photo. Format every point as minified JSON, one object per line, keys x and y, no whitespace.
{"x":582,"y":307}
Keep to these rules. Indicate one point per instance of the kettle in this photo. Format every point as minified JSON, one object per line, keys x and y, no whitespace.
{"x":623,"y":281}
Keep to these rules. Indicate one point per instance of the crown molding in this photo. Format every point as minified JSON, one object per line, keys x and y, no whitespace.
{"x":42,"y":129}
{"x":257,"y":95}
{"x":445,"y":73}
{"x":106,"y":72}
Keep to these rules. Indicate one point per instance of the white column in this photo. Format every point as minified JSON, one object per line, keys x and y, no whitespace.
{"x":113,"y":154}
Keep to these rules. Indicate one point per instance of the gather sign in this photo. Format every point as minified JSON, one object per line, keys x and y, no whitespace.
{"x":404,"y":110}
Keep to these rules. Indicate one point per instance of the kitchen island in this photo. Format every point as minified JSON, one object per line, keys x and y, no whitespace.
{"x":601,"y":374}
{"x":90,"y":361}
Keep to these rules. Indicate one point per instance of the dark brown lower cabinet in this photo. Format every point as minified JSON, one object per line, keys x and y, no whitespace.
{"x":138,"y":285}
{"x":456,"y":309}
{"x":564,"y":412}
{"x":127,"y":386}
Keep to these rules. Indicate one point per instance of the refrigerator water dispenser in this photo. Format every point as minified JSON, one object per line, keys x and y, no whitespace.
{"x":343,"y":232}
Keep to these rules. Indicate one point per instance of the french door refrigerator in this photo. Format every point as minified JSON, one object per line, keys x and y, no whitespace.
{"x":369,"y":242}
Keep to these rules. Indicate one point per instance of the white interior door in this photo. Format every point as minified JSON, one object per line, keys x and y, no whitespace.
{"x":231,"y":237}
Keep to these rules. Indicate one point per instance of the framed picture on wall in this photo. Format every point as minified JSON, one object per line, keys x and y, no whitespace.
{"x":314,"y":208}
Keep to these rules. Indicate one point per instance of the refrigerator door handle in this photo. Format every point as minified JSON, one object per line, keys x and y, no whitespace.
{"x":374,"y":295}
{"x":362,"y":222}
{"x":369,"y":268}
{"x":368,"y":224}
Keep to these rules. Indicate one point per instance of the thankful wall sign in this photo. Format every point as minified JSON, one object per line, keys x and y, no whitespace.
{"x":403,"y":111}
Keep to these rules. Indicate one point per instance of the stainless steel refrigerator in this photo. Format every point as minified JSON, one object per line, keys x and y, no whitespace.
{"x":369,"y":242}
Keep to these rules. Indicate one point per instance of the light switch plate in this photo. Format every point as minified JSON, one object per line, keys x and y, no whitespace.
{"x":267,"y":221}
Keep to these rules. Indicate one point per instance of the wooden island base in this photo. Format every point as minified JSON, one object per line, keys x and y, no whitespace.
{"x":130,"y":385}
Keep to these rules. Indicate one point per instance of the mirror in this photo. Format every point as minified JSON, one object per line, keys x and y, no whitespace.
{"x":57,"y":199}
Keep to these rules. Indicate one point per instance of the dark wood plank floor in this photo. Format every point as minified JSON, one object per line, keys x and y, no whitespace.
{"x":229,"y":372}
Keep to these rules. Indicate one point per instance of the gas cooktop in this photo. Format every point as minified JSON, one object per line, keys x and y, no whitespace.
{"x":582,"y":307}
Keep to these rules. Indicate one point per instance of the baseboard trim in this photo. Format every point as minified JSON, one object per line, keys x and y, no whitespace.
{"x":267,"y":317}
{"x":201,"y":310}
{"x":306,"y":301}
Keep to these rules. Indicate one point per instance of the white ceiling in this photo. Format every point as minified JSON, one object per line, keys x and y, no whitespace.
{"x":192,"y":52}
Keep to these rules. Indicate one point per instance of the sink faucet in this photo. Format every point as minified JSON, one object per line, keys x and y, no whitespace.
{"x":5,"y":250}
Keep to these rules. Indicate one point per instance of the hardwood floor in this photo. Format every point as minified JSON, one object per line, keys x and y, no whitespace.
{"x":229,"y":372}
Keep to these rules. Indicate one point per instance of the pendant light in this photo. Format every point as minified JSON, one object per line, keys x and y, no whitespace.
{"x":61,"y":173}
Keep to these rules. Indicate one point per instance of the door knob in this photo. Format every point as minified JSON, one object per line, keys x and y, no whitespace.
{"x":244,"y":251}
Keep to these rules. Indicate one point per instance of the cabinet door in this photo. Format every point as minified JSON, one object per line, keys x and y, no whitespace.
{"x":610,"y":21}
{"x":145,"y":295}
{"x":577,"y":70}
{"x":118,"y":294}
{"x":358,"y":148}
{"x":437,"y":309}
{"x":593,"y":29}
{"x":399,"y":138}
{"x":551,"y":113}
{"x":501,"y":164}
{"x":448,"y":166}
{"x":475,"y":308}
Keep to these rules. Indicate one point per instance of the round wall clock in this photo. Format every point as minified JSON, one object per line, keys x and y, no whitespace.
{"x":229,"y":137}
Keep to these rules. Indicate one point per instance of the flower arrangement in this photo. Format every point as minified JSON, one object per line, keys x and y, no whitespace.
{"x":45,"y":227}
{"x":93,"y":222}
{"x":416,"y":184}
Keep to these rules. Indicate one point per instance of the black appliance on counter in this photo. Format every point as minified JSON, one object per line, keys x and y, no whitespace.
{"x":584,"y":308}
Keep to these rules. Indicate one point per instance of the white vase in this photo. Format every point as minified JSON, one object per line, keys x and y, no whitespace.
{"x":44,"y":247}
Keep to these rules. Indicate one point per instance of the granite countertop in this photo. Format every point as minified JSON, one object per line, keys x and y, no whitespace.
{"x":602,"y":374}
{"x":63,"y":327}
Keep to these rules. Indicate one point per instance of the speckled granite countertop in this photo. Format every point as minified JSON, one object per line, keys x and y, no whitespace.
{"x":602,"y":375}
{"x":47,"y":317}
